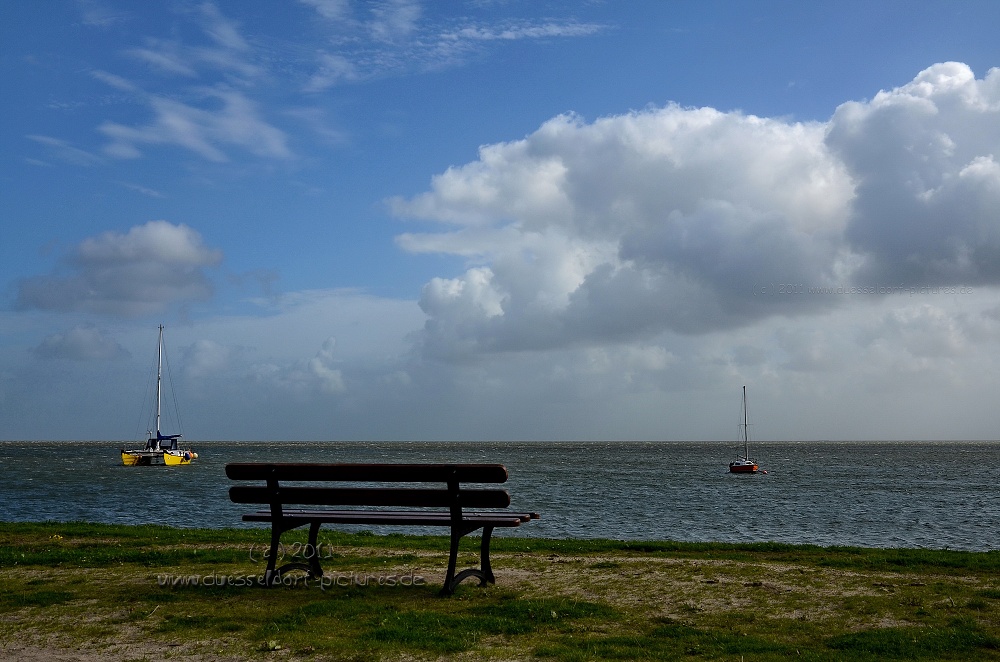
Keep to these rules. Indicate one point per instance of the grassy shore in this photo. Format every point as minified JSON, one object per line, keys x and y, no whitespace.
{"x":157,"y":593}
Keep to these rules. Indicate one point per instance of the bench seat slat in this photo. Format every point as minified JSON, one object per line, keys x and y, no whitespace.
{"x":388,"y":517}
{"x":384,"y":515}
{"x":365,"y":496}
{"x":394,"y":473}
{"x":468,"y":513}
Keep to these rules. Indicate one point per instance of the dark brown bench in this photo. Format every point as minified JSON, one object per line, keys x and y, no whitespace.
{"x":449,"y":503}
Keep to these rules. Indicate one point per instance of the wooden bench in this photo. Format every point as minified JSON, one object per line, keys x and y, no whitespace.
{"x":446,"y":504}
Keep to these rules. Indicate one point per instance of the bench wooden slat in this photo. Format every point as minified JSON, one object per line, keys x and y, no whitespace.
{"x":468,"y":514}
{"x":363,"y":496}
{"x":388,"y":518}
{"x":410,"y":473}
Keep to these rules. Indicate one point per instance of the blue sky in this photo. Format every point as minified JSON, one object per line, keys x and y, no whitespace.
{"x":501,"y":219}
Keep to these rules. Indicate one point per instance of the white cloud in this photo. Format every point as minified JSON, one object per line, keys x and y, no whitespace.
{"x":140,"y":272}
{"x":924,"y":159}
{"x":99,"y":14}
{"x":321,"y":369}
{"x":226,"y":115}
{"x":63,"y":151}
{"x":393,"y":20}
{"x":634,"y":225}
{"x":222,"y":30}
{"x":226,"y":51}
{"x":332,"y":70}
{"x":166,"y":57}
{"x":333,"y":10}
{"x":82,"y":343}
{"x":619,"y":274}
{"x":923,"y":330}
{"x":313,"y":379}
{"x":208,"y":358}
{"x":152,"y":193}
{"x":113,"y":80}
{"x":303,"y":347}
{"x":694,"y":221}
{"x":206,"y":132}
{"x":317,"y":122}
{"x":396,"y":36}
{"x":518,"y":31}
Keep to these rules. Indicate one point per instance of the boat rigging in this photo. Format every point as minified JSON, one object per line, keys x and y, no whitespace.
{"x":744,"y":464}
{"x":159,"y":447}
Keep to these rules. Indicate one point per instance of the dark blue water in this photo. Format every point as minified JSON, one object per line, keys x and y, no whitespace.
{"x":870,"y":494}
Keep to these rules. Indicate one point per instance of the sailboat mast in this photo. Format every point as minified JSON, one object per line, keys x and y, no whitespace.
{"x":159,"y":374}
{"x":746,"y":430}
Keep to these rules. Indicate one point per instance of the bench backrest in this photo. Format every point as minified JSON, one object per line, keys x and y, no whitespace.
{"x":451,"y":496}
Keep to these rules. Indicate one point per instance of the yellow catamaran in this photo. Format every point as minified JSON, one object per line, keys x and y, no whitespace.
{"x":159,"y":448}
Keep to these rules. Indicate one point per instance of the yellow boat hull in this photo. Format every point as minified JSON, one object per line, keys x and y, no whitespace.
{"x":136,"y":458}
{"x":177,"y":458}
{"x":146,"y":458}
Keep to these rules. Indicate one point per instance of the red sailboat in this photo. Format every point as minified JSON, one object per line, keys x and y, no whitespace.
{"x":744,"y":464}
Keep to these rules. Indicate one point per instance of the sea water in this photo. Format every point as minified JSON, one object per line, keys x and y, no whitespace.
{"x":869,"y":494}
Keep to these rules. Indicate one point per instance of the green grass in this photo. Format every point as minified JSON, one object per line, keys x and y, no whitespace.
{"x":554,"y":599}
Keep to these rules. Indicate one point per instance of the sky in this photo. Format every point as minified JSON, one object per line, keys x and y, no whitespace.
{"x":500,"y":219}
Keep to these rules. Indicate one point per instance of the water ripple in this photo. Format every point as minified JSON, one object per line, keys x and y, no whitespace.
{"x":874,"y":494}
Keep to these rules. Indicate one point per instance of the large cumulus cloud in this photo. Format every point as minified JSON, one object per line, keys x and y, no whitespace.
{"x":136,"y":273}
{"x":622,"y":228}
{"x":924,"y":157}
{"x":691,"y":220}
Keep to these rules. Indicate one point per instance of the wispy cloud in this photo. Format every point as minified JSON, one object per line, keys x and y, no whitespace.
{"x":399,"y":36}
{"x":205,"y":131}
{"x":222,"y":30}
{"x":152,"y":193}
{"x":524,"y":30}
{"x":97,"y":13}
{"x":395,"y":20}
{"x":113,"y":80}
{"x":166,"y":57}
{"x":228,"y":116}
{"x":229,"y":105}
{"x":65,"y":152}
{"x":333,"y":10}
{"x":331,"y":70}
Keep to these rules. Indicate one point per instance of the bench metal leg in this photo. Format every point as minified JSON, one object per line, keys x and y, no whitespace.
{"x":449,"y":578}
{"x":315,"y":571}
{"x":272,"y":555}
{"x":312,"y":566}
{"x":484,"y":572}
{"x":484,"y":557}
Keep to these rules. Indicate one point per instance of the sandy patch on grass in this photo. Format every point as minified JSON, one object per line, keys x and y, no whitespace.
{"x":721,"y":593}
